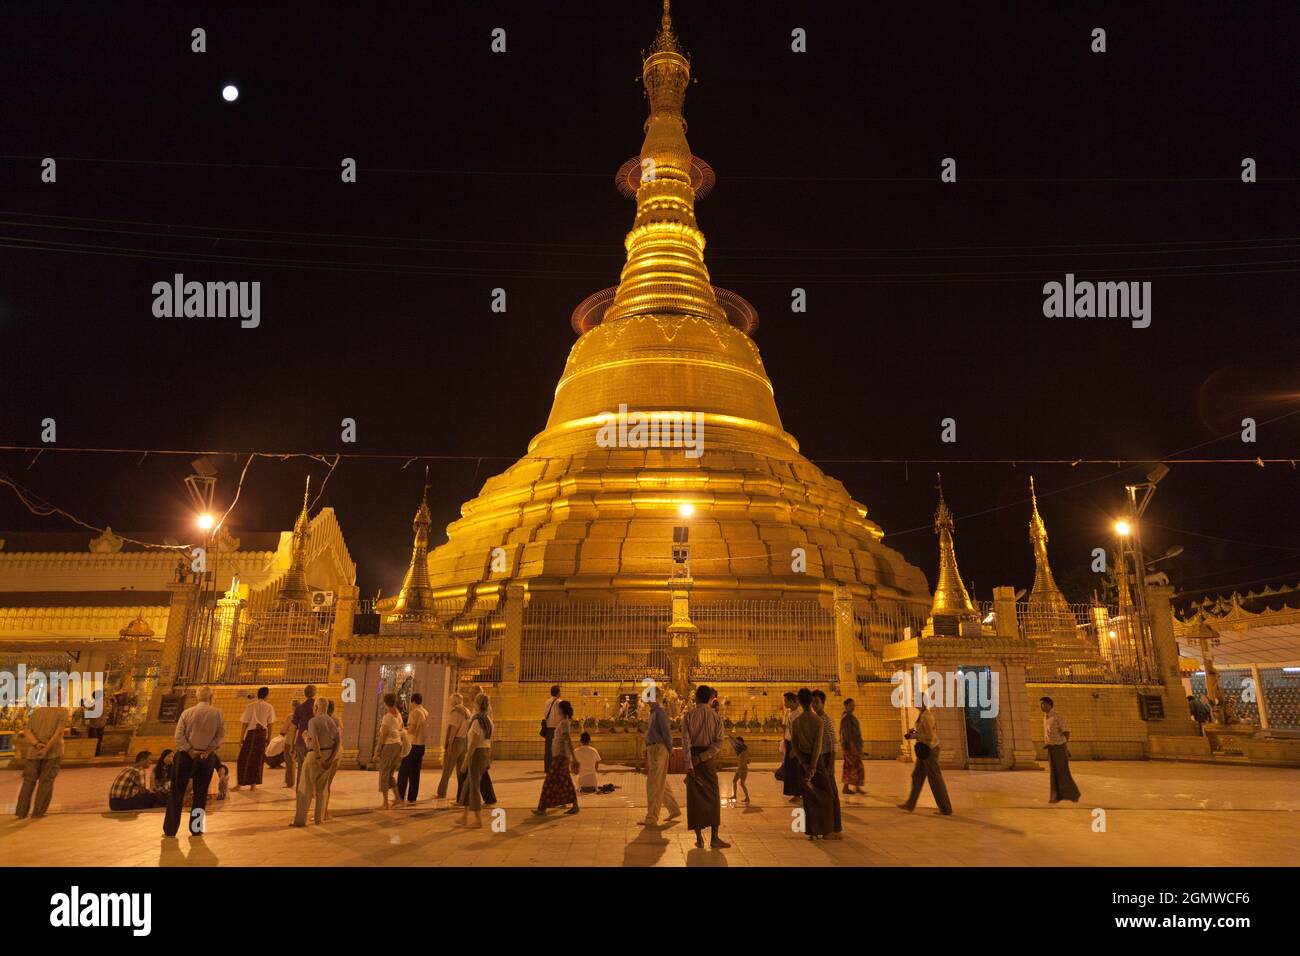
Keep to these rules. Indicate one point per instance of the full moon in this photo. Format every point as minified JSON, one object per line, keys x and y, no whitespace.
{"x":230,"y":94}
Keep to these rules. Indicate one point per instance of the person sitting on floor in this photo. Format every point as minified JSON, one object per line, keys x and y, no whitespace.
{"x":588,"y":758}
{"x":130,"y":790}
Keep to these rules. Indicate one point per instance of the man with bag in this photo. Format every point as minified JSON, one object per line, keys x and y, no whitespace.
{"x":550,"y":720}
{"x":926,"y":767}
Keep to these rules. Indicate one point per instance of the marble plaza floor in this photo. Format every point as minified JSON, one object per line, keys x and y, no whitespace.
{"x":1155,"y":813}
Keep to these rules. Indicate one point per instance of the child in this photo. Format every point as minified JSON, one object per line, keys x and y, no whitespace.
{"x":588,"y":758}
{"x":742,"y":767}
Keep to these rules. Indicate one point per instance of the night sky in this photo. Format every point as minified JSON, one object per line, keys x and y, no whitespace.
{"x":479,"y":170}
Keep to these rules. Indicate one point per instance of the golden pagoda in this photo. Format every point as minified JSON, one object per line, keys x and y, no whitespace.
{"x":952,"y":604}
{"x":1047,"y":605}
{"x":415,"y":600}
{"x":1048,"y":619}
{"x":579,"y":533}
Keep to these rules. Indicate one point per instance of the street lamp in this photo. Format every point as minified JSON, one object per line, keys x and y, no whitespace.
{"x":686,"y":510}
{"x":205,"y":521}
{"x":1122,"y":528}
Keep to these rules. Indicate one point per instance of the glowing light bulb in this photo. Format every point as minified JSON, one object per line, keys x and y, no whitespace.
{"x":686,"y":510}
{"x":206,"y":521}
{"x":230,"y":94}
{"x":1122,"y":528}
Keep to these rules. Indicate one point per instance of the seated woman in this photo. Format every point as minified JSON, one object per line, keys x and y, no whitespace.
{"x":162,"y":771}
{"x":130,"y":791}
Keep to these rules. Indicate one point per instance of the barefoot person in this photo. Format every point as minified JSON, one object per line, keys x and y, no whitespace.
{"x":478,"y":757}
{"x":851,"y":746}
{"x":701,"y":742}
{"x":323,"y":749}
{"x":808,"y":737}
{"x":658,"y":748}
{"x":1056,"y":736}
{"x":557,"y":789}
{"x":42,"y":758}
{"x":254,"y":732}
{"x":926,"y":735}
{"x":388,"y":748}
{"x":453,"y":745}
{"x":828,"y":762}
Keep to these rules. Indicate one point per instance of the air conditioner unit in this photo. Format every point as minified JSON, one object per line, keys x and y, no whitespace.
{"x":322,"y":599}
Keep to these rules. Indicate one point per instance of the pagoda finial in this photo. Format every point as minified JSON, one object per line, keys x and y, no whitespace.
{"x":295,"y":581}
{"x":950,"y":595}
{"x":415,"y":599}
{"x":665,"y":272}
{"x":1047,"y":604}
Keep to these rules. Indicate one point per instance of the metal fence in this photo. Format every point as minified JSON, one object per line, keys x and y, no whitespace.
{"x":1085,"y":643}
{"x":286,"y":643}
{"x":737,"y":641}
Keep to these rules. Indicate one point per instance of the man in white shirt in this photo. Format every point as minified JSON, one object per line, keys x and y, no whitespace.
{"x":551,"y":718}
{"x":417,"y":727}
{"x":926,"y":767}
{"x":453,"y":743}
{"x":588,"y":758}
{"x":254,"y":733}
{"x":1056,"y":735}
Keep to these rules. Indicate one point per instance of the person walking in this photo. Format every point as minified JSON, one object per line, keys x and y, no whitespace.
{"x":453,"y":745}
{"x":478,"y":757}
{"x":702,"y":740}
{"x":557,"y":788}
{"x":658,"y":748}
{"x":742,"y":767}
{"x":417,"y":726}
{"x":791,"y":782}
{"x":323,"y":741}
{"x":828,"y":762}
{"x":199,"y":732}
{"x":290,"y":734}
{"x":851,"y":746}
{"x":808,"y":740}
{"x":551,"y":718}
{"x":254,"y":732}
{"x":1056,"y":735}
{"x":926,"y":767}
{"x":42,"y":759}
{"x":131,"y":790}
{"x":388,"y":747}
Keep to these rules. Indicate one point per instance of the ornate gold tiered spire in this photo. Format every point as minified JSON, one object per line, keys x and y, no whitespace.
{"x":950,"y":597}
{"x":295,"y":582}
{"x":415,"y":600}
{"x":1045,"y":596}
{"x":665,"y":271}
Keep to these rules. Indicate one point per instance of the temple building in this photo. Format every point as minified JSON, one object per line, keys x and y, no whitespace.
{"x":268,"y":607}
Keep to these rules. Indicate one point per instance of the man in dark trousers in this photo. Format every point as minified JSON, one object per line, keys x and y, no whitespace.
{"x":302,"y":715}
{"x":551,"y":717}
{"x":1056,"y":736}
{"x":926,"y":767}
{"x":199,"y":733}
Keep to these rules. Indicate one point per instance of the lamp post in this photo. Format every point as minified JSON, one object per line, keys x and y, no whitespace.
{"x":1129,"y":532}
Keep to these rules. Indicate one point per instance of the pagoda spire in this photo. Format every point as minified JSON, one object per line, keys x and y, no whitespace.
{"x":295,"y":581}
{"x":665,"y":272}
{"x":950,"y":597}
{"x":415,"y":600}
{"x":1045,"y":594}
